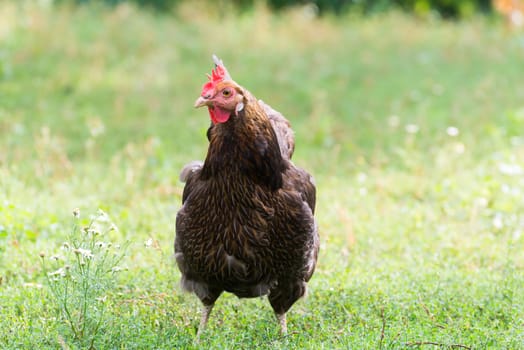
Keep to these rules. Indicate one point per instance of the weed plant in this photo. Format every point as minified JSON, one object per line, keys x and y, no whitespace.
{"x":82,"y":275}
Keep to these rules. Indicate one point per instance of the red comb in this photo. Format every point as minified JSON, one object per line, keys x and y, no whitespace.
{"x":218,"y":74}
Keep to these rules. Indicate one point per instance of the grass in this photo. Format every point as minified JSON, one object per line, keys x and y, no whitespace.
{"x":421,"y":226}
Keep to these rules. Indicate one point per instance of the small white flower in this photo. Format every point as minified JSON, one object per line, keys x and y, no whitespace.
{"x":116,"y":269}
{"x":394,"y":121}
{"x":91,"y":232}
{"x":361,"y":177}
{"x":497,"y":221}
{"x":61,"y":272}
{"x":148,"y":243}
{"x":94,"y":229}
{"x":482,"y":202}
{"x":510,"y":169}
{"x":96,"y":126}
{"x":411,"y":128}
{"x":76,"y":213}
{"x":55,"y":257}
{"x":66,"y":246}
{"x":102,"y":216}
{"x":86,"y":253}
{"x":452,"y":131}
{"x":100,"y":244}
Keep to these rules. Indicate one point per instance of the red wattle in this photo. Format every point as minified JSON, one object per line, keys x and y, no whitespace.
{"x":212,"y":115}
{"x":219,"y":115}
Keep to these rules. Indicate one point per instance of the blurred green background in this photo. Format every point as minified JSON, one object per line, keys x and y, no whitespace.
{"x":445,"y":8}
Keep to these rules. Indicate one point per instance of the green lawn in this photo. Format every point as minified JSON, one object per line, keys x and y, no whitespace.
{"x":414,"y":131}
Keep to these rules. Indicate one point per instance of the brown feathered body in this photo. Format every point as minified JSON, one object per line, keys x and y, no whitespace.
{"x":246,"y":225}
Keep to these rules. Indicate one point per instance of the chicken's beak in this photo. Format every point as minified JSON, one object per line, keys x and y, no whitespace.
{"x":201,"y":101}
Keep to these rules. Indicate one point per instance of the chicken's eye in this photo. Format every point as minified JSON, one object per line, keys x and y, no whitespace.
{"x":226,"y":93}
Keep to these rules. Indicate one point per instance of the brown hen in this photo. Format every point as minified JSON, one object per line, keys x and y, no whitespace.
{"x":246,"y":225}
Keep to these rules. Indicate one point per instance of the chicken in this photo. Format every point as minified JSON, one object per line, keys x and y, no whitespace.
{"x":246,"y":224}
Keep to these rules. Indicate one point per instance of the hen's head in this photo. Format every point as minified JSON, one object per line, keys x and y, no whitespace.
{"x":221,"y":94}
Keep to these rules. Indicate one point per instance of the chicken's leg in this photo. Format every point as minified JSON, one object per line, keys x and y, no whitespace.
{"x":206,"y":310}
{"x":282,"y":321}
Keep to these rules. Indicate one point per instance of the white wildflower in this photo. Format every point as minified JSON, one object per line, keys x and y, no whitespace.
{"x":411,"y":128}
{"x":61,"y":272}
{"x":116,"y":269}
{"x":86,"y":253}
{"x":76,"y":213}
{"x":361,"y":177}
{"x":394,"y":121}
{"x":498,"y":222}
{"x":452,"y":131}
{"x":148,"y":243}
{"x":482,"y":202}
{"x":102,"y":216}
{"x":510,"y":169}
{"x":93,"y":231}
{"x":96,"y":126}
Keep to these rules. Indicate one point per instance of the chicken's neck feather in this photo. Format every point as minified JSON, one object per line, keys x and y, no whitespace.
{"x":246,"y":145}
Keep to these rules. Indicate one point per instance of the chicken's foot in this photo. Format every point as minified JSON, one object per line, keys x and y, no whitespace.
{"x":282,"y":321}
{"x":206,"y":310}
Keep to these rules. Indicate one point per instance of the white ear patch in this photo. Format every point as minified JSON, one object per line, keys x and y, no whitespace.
{"x":239,"y":107}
